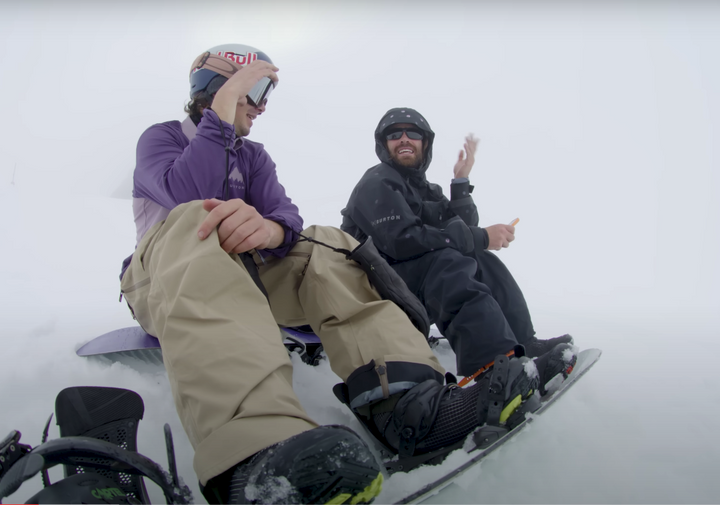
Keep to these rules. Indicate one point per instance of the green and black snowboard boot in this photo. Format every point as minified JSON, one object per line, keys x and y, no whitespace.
{"x":536,"y":347}
{"x":554,"y":367}
{"x":431,"y":416}
{"x":329,"y":464}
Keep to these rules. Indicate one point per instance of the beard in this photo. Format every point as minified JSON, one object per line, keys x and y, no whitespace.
{"x":408,"y":162}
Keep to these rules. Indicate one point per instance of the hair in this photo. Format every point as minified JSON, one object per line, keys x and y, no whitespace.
{"x":204,"y":99}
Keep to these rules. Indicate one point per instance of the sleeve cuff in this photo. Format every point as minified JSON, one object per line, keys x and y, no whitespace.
{"x":460,"y":188}
{"x":288,"y":242}
{"x":480,"y":237}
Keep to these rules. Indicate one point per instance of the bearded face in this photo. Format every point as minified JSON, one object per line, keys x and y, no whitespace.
{"x":404,"y":150}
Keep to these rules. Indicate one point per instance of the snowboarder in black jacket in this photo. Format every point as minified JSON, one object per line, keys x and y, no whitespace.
{"x":437,"y":247}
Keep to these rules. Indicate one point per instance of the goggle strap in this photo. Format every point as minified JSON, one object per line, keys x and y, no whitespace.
{"x":212,"y":62}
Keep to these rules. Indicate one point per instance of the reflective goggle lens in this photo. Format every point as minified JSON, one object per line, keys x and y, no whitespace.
{"x":261,"y":91}
{"x":397,"y":134}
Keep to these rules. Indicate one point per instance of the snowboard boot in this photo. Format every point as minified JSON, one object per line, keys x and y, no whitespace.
{"x":329,"y":464}
{"x":536,"y":347}
{"x":554,"y":367}
{"x":431,"y":416}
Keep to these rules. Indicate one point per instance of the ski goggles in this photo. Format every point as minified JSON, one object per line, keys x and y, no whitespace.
{"x":398,"y":133}
{"x":260,"y":92}
{"x":227,"y":68}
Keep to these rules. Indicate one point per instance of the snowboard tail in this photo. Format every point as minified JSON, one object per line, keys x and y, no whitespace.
{"x":133,"y":342}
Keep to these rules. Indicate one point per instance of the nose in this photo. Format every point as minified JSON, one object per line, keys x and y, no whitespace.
{"x":261,"y":107}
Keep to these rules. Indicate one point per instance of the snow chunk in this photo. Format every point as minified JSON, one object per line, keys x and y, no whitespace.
{"x":568,"y":355}
{"x":272,"y":490}
{"x":531,"y":370}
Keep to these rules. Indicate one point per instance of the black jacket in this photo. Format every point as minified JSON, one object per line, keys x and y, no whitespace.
{"x":406,"y":215}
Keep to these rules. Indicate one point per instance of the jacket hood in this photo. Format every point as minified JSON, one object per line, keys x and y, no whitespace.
{"x":398,"y":116}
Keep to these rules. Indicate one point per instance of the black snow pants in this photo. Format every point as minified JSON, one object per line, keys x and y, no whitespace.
{"x":473,"y":300}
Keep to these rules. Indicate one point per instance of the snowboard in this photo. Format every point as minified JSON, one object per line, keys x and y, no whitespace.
{"x":476,"y":447}
{"x":400,"y":487}
{"x":133,"y":342}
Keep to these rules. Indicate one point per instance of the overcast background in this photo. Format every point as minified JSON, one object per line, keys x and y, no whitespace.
{"x":599,"y":130}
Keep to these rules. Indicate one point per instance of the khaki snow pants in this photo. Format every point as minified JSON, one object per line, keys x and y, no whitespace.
{"x":229,"y":371}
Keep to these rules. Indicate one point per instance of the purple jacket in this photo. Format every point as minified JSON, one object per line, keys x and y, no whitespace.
{"x":179,"y":162}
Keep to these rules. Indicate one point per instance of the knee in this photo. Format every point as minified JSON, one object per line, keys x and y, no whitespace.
{"x":448,"y":254}
{"x":331,"y":236}
{"x":185,"y":214}
{"x":451,"y":260}
{"x":193,"y":207}
{"x":179,"y":231}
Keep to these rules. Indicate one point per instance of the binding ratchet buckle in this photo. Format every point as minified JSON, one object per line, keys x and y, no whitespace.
{"x":11,"y":450}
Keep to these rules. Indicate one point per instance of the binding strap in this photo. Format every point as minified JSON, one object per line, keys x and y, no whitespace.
{"x":467,"y":379}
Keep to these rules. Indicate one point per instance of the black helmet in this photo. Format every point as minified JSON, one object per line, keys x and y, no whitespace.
{"x":402,"y":115}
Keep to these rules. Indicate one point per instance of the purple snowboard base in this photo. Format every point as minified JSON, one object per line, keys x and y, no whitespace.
{"x":133,"y":342}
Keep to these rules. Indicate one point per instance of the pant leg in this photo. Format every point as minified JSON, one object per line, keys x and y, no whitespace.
{"x":495,"y":275}
{"x":229,"y":371}
{"x":318,"y":286}
{"x":463,"y":309}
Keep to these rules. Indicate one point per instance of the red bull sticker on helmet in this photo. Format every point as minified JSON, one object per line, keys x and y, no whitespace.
{"x":240,"y":59}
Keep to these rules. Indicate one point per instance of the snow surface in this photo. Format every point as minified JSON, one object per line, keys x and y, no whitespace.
{"x":599,"y":128}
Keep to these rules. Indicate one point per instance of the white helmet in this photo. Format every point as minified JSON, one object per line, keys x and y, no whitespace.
{"x":225,"y":60}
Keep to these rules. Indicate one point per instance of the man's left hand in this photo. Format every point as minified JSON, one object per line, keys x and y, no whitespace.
{"x":466,"y":158}
{"x":499,"y":236}
{"x":240,"y":226}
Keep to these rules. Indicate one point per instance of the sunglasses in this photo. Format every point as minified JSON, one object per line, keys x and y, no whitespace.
{"x":397,"y":134}
{"x":225,"y":67}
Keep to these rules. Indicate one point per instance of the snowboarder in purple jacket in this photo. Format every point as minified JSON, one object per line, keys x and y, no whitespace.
{"x":221,"y":261}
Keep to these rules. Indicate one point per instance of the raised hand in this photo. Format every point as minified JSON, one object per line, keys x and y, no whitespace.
{"x":234,"y":91}
{"x":466,"y":158}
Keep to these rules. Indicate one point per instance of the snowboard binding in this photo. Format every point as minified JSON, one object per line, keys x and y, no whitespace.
{"x":97,"y":448}
{"x":303,"y":341}
{"x":11,"y":450}
{"x":424,"y":424}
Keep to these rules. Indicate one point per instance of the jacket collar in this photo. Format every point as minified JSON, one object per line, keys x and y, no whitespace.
{"x":190,"y":130}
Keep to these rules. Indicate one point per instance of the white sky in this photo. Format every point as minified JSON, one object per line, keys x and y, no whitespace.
{"x":599,"y":128}
{"x":598,"y":123}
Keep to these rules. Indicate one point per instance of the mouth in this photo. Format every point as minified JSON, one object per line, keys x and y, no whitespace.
{"x":405,"y":150}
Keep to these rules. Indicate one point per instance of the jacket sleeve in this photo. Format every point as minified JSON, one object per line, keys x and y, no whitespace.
{"x":380,"y":209}
{"x":268,"y":197}
{"x":462,"y":204}
{"x":170,"y":172}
